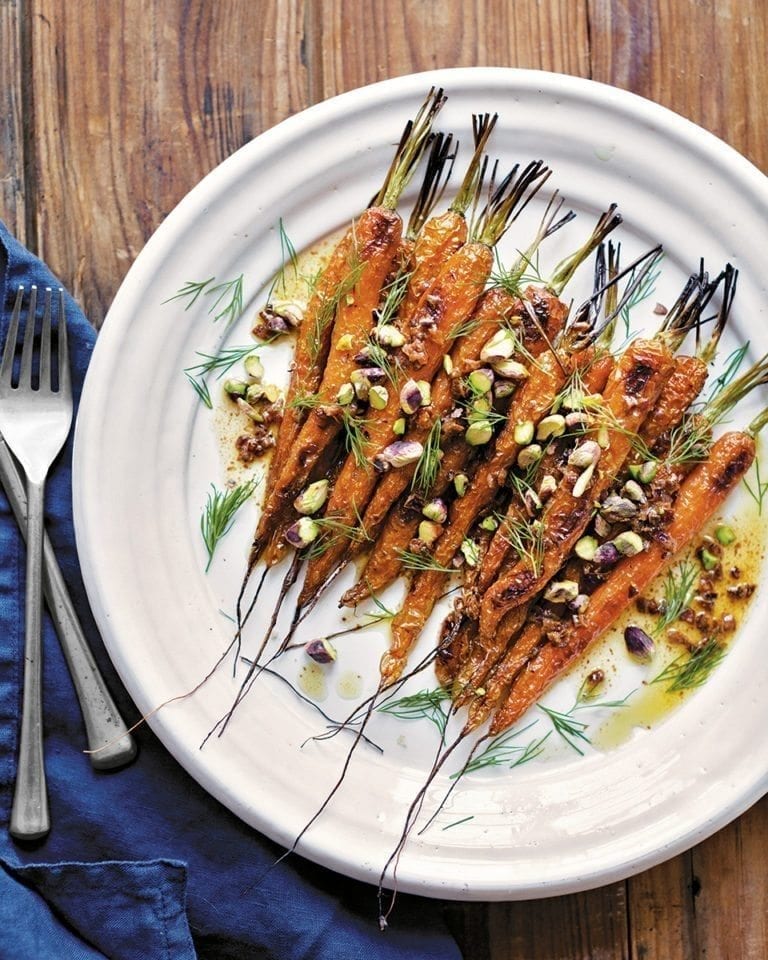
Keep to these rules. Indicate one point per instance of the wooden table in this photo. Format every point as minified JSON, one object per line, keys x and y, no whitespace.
{"x":114,"y":110}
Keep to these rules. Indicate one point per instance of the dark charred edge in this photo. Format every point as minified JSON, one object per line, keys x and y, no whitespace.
{"x":508,"y":200}
{"x":576,"y":337}
{"x":637,"y":378}
{"x":733,"y":470}
{"x":549,"y":222}
{"x":474,"y":177}
{"x":440,"y":161}
{"x":410,"y":149}
{"x":686,"y":312}
{"x":729,"y":277}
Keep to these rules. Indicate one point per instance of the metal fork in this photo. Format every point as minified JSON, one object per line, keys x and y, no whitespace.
{"x":35,"y":419}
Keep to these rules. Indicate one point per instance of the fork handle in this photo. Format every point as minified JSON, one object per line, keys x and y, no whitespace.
{"x":29,"y":811}
{"x":108,"y":739}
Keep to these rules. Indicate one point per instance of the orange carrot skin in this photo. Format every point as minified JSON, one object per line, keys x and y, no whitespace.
{"x":636,"y":383}
{"x":700,"y":496}
{"x":309,"y":358}
{"x":532,"y":400}
{"x":377,"y":235}
{"x":685,"y":384}
{"x":450,"y":299}
{"x":496,"y":305}
{"x":438,"y":239}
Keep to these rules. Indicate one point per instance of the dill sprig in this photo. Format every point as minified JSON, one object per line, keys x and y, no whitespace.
{"x":332,"y":530}
{"x":422,"y":561}
{"x":355,"y":441}
{"x":381,"y":358}
{"x":569,"y":727}
{"x":394,"y":294}
{"x":428,"y":463}
{"x":326,"y":313}
{"x":679,"y":589}
{"x":644,"y":289}
{"x":228,"y":297}
{"x":522,"y":273}
{"x":731,"y":367}
{"x":758,"y":489}
{"x":503,"y":751}
{"x":288,"y":256}
{"x":201,"y":389}
{"x":689,"y":672}
{"x":219,"y":513}
{"x":425,"y":705}
{"x":524,"y":537}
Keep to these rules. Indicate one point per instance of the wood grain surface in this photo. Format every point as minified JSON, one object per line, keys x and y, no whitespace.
{"x":113,"y":109}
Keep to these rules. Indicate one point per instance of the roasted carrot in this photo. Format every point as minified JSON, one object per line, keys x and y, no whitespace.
{"x":631,"y":392}
{"x":700,"y":496}
{"x":373,"y":237}
{"x":448,"y":301}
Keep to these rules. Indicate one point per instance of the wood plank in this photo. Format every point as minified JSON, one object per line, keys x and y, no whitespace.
{"x":355,"y":43}
{"x":584,"y":926}
{"x":704,"y":59}
{"x":732,"y":901}
{"x":661,"y":911}
{"x":136,"y":102}
{"x":12,"y":207}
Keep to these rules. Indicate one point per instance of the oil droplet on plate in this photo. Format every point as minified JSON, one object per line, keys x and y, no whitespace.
{"x":312,"y":681}
{"x":350,"y":684}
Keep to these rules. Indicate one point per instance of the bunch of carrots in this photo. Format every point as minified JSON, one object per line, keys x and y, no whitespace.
{"x":446,"y":416}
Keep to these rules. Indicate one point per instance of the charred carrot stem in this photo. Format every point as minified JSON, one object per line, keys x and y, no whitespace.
{"x":701,"y":494}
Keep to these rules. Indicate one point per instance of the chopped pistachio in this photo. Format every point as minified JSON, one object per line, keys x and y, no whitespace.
{"x":313,"y":498}
{"x":524,"y":432}
{"x":389,"y":336}
{"x":480,"y":381}
{"x":398,"y":427}
{"x":235,"y":388}
{"x":426,"y":392}
{"x":585,"y":478}
{"x":429,"y":531}
{"x":489,"y":523}
{"x":378,"y":397}
{"x":628,"y":543}
{"x":447,"y":364}
{"x":724,"y":534}
{"x":478,"y":433}
{"x":562,"y":591}
{"x":708,"y":560}
{"x":254,"y":367}
{"x":500,"y":346}
{"x":470,"y":552}
{"x":529,"y":455}
{"x":345,"y":342}
{"x":346,"y":394}
{"x":551,"y":426}
{"x":460,"y":482}
{"x":586,"y":548}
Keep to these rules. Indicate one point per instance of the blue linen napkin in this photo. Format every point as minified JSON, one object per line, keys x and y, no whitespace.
{"x":142,"y":863}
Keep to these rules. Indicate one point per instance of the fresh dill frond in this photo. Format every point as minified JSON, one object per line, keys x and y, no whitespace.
{"x":220,"y":363}
{"x":219,"y":513}
{"x":513,"y":279}
{"x":503,"y":751}
{"x":305,"y":401}
{"x":679,"y":590}
{"x":383,"y":611}
{"x":394,"y":294}
{"x":355,"y":533}
{"x":326,"y":314}
{"x":228,"y":303}
{"x":758,"y":489}
{"x":381,"y":358}
{"x":568,"y":727}
{"x":644,"y":289}
{"x":355,"y":441}
{"x":689,"y":672}
{"x":731,"y":367}
{"x":465,"y":327}
{"x":201,"y":389}
{"x":458,"y":823}
{"x":428,"y":464}
{"x":425,"y":705}
{"x":525,"y":538}
{"x":419,"y":562}
{"x":288,"y":256}
{"x":190,"y":291}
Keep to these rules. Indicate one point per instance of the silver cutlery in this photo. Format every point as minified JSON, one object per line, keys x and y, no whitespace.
{"x":35,"y":418}
{"x":109,"y":743}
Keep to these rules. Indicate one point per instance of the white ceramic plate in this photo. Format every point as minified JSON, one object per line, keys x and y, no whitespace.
{"x":146,"y":454}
